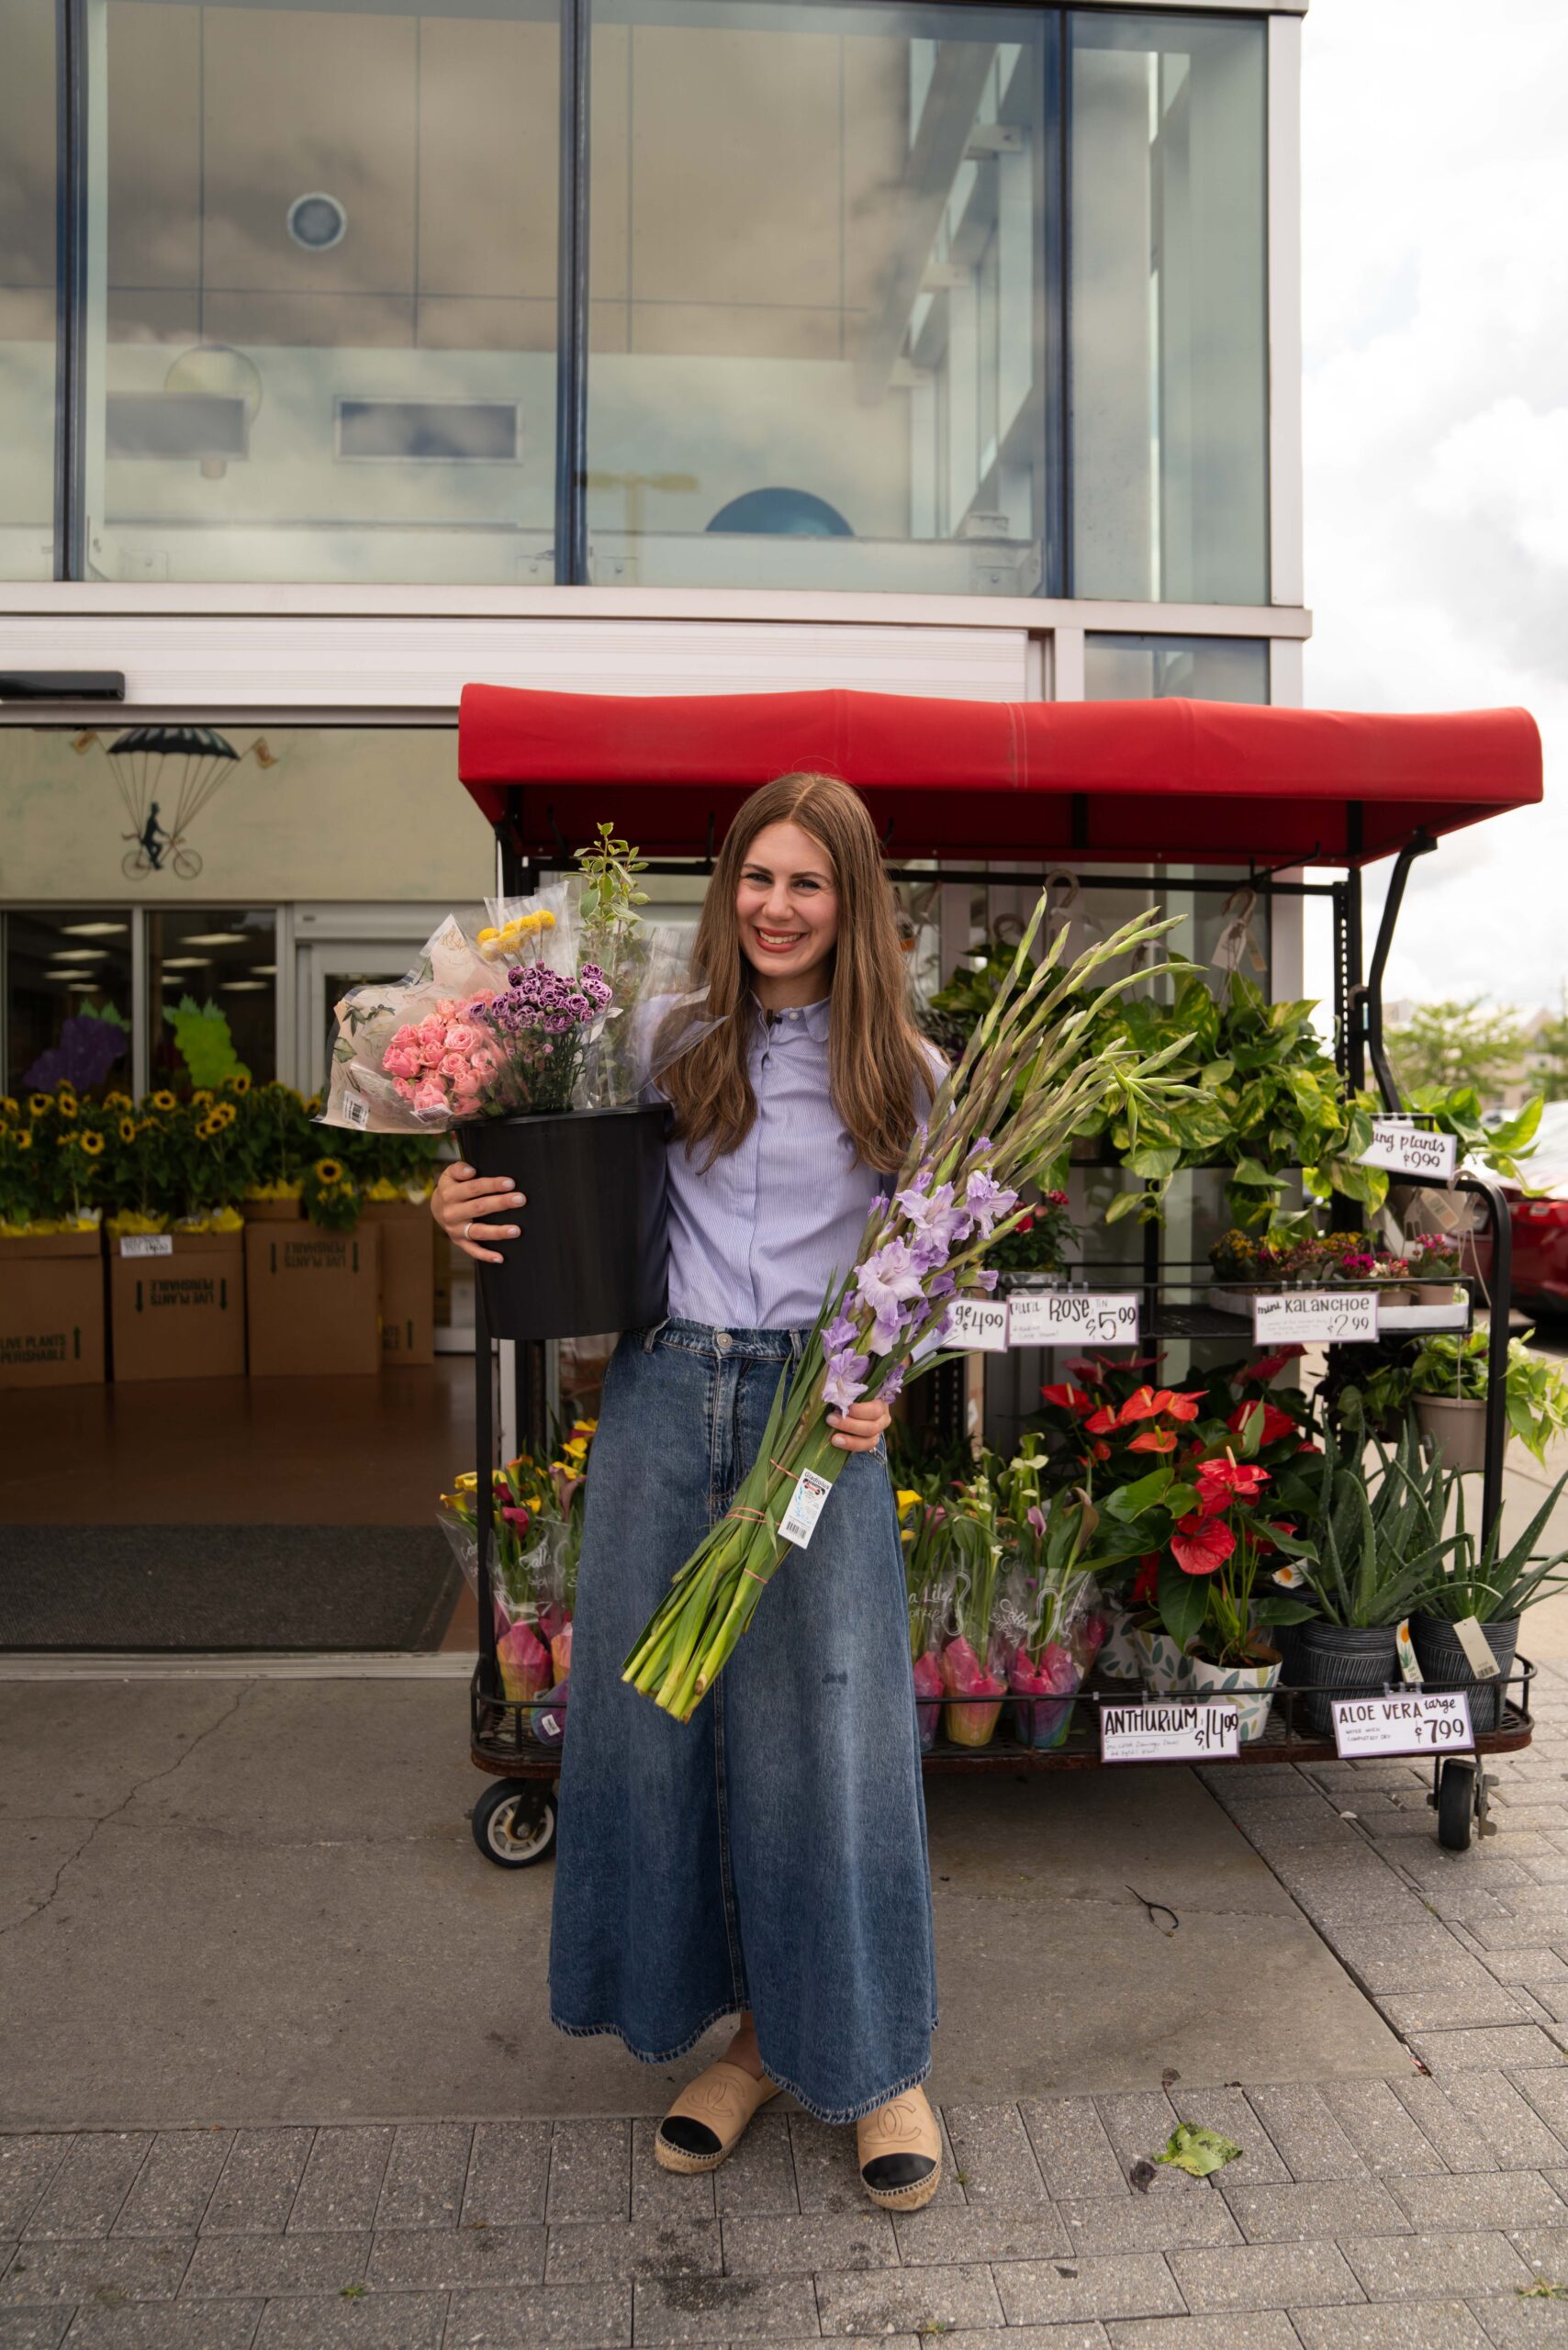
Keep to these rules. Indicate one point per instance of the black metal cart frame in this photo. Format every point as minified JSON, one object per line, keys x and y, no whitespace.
{"x":514,"y":1822}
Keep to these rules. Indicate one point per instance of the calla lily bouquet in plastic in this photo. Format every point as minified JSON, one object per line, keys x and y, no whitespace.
{"x":1009,"y":1107}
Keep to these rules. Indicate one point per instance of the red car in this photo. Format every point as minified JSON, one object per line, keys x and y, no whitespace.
{"x":1541,"y":1227}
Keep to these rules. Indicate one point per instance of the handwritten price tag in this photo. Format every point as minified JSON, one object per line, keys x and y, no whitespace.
{"x":1411,"y":1150}
{"x":1170,"y":1731}
{"x":1074,"y":1317}
{"x":148,"y":1244}
{"x":1316,"y":1317}
{"x":1423,"y":1722}
{"x":978,"y":1325}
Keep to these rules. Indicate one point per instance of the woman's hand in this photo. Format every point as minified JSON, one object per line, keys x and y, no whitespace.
{"x":461,"y":1198}
{"x":861,"y":1425}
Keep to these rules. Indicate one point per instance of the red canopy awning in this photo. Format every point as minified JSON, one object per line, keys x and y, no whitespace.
{"x":1185,"y":781}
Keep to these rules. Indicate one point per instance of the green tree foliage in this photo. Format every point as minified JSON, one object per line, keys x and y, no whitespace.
{"x":1471,"y":1043}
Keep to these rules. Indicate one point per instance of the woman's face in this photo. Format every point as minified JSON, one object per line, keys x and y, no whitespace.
{"x":787,"y":906}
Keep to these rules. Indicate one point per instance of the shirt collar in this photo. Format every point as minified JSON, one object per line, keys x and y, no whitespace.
{"x":801,"y":1019}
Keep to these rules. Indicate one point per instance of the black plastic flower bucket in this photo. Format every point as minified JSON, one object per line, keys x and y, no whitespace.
{"x":593,"y":1252}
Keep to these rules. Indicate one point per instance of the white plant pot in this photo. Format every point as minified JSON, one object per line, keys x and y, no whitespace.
{"x":1253,"y":1686}
{"x":1165,"y":1669}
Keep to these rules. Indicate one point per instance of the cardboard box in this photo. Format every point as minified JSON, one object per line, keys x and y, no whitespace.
{"x":311,"y":1304}
{"x":52,"y":1311}
{"x":177,"y":1312}
{"x":408,"y":1279}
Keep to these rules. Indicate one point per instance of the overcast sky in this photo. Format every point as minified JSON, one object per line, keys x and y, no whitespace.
{"x":1435,"y":298}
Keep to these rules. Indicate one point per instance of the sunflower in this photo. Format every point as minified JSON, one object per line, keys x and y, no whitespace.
{"x":225,"y":1114}
{"x":65,"y":1105}
{"x":202,"y":1099}
{"x":240,"y":1082}
{"x":116,"y":1100}
{"x":329,"y":1170}
{"x":162,"y":1099}
{"x":92,"y":1144}
{"x":40,"y":1104}
{"x":23,"y":1138}
{"x":206,"y":1130}
{"x":127,"y":1130}
{"x":10,"y":1107}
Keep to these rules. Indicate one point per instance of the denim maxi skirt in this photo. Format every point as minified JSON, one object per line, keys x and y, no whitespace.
{"x":771,"y":1853}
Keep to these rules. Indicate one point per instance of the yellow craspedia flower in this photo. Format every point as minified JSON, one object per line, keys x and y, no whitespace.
{"x":92,"y":1144}
{"x":164,"y":1099}
{"x":329,"y":1170}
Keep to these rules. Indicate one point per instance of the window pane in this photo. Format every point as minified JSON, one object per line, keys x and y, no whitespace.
{"x":1152,"y":668}
{"x":220,"y":958}
{"x":26,"y":289}
{"x":1169,"y":326}
{"x":328,"y":316}
{"x":816,"y":298}
{"x":63,"y":966}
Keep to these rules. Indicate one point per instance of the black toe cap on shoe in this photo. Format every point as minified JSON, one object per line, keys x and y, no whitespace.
{"x":891,"y":2173}
{"x":691,"y":2137}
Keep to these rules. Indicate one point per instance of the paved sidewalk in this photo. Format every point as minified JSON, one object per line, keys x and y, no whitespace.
{"x":1427,"y":2212}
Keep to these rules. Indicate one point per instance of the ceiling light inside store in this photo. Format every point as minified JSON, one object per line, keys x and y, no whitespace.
{"x":80,"y":954}
{"x":94,"y":929}
{"x":265,"y":970}
{"x":241,"y":987}
{"x":186,"y":962}
{"x":216,"y":938}
{"x":80,"y":987}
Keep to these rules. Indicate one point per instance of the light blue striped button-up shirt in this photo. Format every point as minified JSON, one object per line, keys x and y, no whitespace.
{"x":755,"y":1239}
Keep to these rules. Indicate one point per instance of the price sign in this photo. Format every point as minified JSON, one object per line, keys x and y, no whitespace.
{"x":978,"y":1325}
{"x":148,"y":1244}
{"x":1170,"y":1730}
{"x":1074,"y":1317}
{"x":1316,"y":1317}
{"x":1411,"y":1150}
{"x":1421,"y":1722}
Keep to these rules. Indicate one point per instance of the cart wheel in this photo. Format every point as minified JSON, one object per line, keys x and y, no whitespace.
{"x":1456,"y":1804}
{"x":514,"y":1823}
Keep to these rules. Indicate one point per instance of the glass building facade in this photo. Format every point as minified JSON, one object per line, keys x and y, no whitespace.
{"x":940,"y":299}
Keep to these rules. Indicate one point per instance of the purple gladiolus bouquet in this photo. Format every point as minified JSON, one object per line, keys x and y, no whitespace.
{"x":1021,"y":1074}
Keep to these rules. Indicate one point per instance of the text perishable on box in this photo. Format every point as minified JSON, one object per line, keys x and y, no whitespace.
{"x":180,"y":1314}
{"x":52,"y":1310}
{"x":312,"y":1299}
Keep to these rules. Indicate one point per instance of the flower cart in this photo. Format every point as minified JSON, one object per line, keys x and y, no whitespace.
{"x":1118,"y":793}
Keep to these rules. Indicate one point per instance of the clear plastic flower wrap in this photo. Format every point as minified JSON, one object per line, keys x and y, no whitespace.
{"x":511,"y":1016}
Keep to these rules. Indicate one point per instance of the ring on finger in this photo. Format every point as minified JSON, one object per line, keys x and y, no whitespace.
{"x":467,"y":1228}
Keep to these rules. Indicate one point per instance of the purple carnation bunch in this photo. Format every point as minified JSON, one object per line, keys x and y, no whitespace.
{"x":538,"y":997}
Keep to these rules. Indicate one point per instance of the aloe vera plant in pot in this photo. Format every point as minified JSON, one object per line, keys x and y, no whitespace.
{"x":1488,"y":1588}
{"x":1381,"y":1548}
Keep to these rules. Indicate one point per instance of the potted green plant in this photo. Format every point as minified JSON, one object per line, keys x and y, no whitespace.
{"x":1487,"y":1589}
{"x":1434,"y":1258}
{"x":1444,"y":1383}
{"x":1379,"y":1548}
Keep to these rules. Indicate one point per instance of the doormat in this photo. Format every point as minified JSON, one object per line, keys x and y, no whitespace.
{"x":225,"y":1587}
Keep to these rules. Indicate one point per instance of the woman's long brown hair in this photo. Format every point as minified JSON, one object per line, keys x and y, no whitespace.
{"x":876,"y":1062}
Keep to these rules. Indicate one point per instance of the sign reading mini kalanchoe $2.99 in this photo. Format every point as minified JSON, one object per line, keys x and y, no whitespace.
{"x":1170,"y":1730}
{"x":1417,"y":1721}
{"x":1316,"y":1317}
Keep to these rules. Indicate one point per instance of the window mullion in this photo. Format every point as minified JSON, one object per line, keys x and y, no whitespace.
{"x":572,"y":302}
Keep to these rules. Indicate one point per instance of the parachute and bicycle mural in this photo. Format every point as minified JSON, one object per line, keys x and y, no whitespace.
{"x":166,"y":776}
